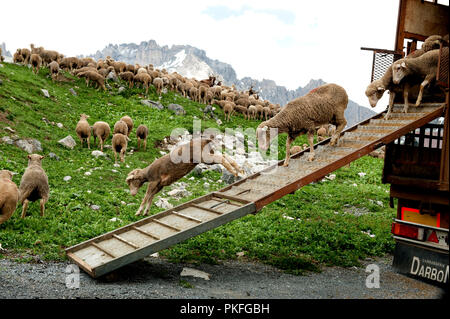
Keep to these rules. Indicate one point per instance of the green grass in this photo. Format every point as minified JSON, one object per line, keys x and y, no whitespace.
{"x":321,"y":233}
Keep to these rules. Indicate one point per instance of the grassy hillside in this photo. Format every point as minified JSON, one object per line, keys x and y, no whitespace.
{"x":326,"y":223}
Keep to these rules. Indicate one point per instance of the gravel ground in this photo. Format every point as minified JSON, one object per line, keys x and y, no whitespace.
{"x":157,"y":278}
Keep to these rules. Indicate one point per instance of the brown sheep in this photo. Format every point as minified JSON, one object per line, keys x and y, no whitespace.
{"x":323,"y":105}
{"x":129,"y":123}
{"x":119,"y":145}
{"x":120,"y":127}
{"x":241,"y":109}
{"x":17,"y":57}
{"x":54,"y":69}
{"x":36,"y":62}
{"x":26,"y":55}
{"x":101,"y":130}
{"x":193,"y":94}
{"x":9,"y":196}
{"x":228,"y":109}
{"x":158,"y":84}
{"x":144,"y":79}
{"x":251,"y":112}
{"x":34,"y":184}
{"x":127,"y":76}
{"x":95,"y":77}
{"x":141,"y":134}
{"x":164,"y":171}
{"x":83,"y":130}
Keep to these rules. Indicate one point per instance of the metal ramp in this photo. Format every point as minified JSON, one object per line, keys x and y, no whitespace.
{"x":130,"y":243}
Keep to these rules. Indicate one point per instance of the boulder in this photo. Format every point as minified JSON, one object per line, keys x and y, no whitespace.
{"x":68,"y":142}
{"x":178,"y":109}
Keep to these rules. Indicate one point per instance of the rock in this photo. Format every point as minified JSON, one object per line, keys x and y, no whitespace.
{"x":116,"y":165}
{"x":163,"y":203}
{"x":121,"y":89}
{"x":199,"y":169}
{"x":67,"y":178}
{"x":97,"y":153}
{"x":115,"y":219}
{"x":59,"y":125}
{"x":361,"y":174}
{"x":240,"y":254}
{"x":94,"y":207}
{"x":68,"y":142}
{"x":178,"y":109}
{"x":331,"y":177}
{"x":10,"y":130}
{"x":229,"y":178}
{"x":45,"y":92}
{"x":73,"y":92}
{"x":219,"y":122}
{"x":114,"y":171}
{"x":54,"y":156}
{"x":29,"y":146}
{"x":194,"y":273}
{"x":152,"y":104}
{"x":206,"y":185}
{"x":112,"y":76}
{"x":7,"y":140}
{"x":216,"y":168}
{"x":88,"y":173}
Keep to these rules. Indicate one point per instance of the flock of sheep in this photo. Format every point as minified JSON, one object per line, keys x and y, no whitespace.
{"x":208,"y":91}
{"x":321,"y":107}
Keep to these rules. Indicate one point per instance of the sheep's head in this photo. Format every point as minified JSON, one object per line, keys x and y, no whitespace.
{"x":264,"y":137}
{"x":399,"y":71}
{"x":135,"y":180}
{"x":35,"y":159}
{"x":4,"y":174}
{"x":84,"y":116}
{"x":374,"y":92}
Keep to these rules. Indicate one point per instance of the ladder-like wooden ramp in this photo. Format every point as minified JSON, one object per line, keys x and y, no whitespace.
{"x":130,"y":243}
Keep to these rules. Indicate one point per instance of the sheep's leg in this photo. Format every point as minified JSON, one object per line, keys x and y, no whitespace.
{"x":42,"y":204}
{"x":234,"y":164}
{"x":24,"y":208}
{"x":122,"y":155}
{"x":289,"y":140}
{"x":391,"y":104}
{"x":220,"y":159}
{"x":340,"y":125}
{"x":422,"y":87}
{"x":139,"y":143}
{"x":89,"y":141}
{"x":312,"y":154}
{"x":148,"y":196}
{"x":115,"y":156}
{"x":405,"y":97}
{"x":145,"y":144}
{"x":149,"y":201}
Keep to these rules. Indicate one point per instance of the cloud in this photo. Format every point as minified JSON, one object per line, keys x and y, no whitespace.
{"x":221,"y":12}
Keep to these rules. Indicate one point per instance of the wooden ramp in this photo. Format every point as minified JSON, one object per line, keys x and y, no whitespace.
{"x":130,"y":243}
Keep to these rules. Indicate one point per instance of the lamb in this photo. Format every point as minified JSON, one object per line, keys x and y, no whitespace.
{"x":228,"y":109}
{"x":323,"y":105}
{"x":241,"y":109}
{"x":83,"y":130}
{"x":129,"y":122}
{"x":164,"y":171}
{"x":119,"y":145}
{"x":9,"y":196}
{"x":120,"y":127}
{"x":251,"y":112}
{"x":158,"y":84}
{"x":36,"y":62}
{"x":143,"y":78}
{"x":34,"y":184}
{"x":141,"y":134}
{"x":54,"y":69}
{"x":101,"y":130}
{"x":127,"y":76}
{"x":95,"y":77}
{"x":424,"y":66}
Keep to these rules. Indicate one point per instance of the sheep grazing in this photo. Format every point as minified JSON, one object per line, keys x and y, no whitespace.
{"x":36,"y":62}
{"x":95,"y":77}
{"x":34,"y":184}
{"x":83,"y":130}
{"x":120,"y":127}
{"x":323,"y":105}
{"x":424,"y":66}
{"x":9,"y":195}
{"x":119,"y":145}
{"x":251,"y":112}
{"x":144,"y":79}
{"x":129,"y":123}
{"x":101,"y":130}
{"x":26,"y":55}
{"x":227,"y":110}
{"x":164,"y":171}
{"x":54,"y":70}
{"x":127,"y":76}
{"x":141,"y":134}
{"x":158,"y":84}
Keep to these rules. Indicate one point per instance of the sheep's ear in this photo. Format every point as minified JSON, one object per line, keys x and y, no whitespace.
{"x":29,"y":156}
{"x":42,"y":156}
{"x":403,"y":65}
{"x":380,"y":88}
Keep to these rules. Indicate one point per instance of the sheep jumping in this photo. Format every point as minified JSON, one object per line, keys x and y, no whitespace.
{"x":34,"y":184}
{"x":323,"y":105}
{"x":163,"y":171}
{"x":9,"y":196}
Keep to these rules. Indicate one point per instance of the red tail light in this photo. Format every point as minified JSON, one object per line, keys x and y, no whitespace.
{"x":405,"y":230}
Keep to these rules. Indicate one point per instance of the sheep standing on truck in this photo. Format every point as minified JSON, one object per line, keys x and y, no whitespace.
{"x":323,"y":105}
{"x":424,"y":66}
{"x":9,"y":196}
{"x":163,"y":171}
{"x":34,"y":184}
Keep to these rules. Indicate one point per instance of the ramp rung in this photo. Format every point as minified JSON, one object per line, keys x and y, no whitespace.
{"x":165,"y":224}
{"x":123,"y":240}
{"x":106,"y":251}
{"x":145,"y":233}
{"x":187,"y":217}
{"x":206,"y":209}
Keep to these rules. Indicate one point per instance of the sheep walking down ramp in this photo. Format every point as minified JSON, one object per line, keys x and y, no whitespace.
{"x":323,"y":105}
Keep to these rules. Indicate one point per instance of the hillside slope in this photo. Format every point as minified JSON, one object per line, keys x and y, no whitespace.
{"x":335,"y":222}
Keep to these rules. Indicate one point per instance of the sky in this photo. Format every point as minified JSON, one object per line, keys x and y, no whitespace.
{"x":289,"y":42}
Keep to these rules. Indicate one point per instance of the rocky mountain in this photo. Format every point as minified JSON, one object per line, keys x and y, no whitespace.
{"x":4,"y":51}
{"x":193,"y":62}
